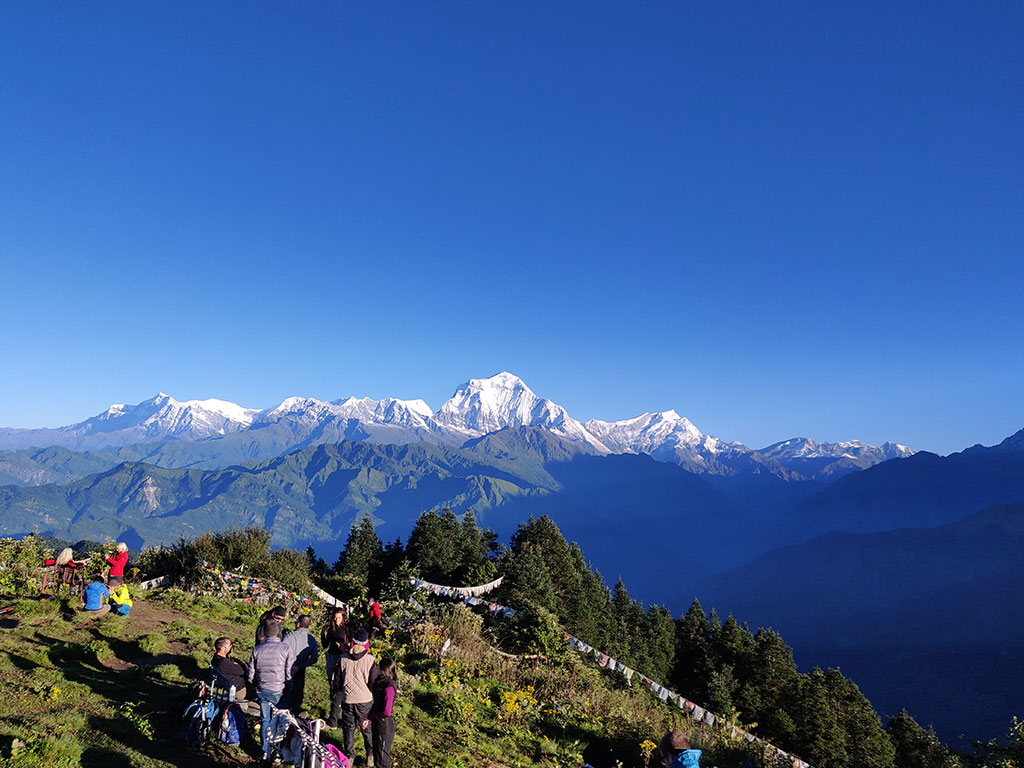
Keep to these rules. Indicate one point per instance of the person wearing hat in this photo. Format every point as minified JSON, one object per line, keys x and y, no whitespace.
{"x":356,"y":673}
{"x":676,"y":753}
{"x":276,"y":616}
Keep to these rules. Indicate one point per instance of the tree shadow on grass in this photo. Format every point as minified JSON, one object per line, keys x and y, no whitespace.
{"x":170,"y":750}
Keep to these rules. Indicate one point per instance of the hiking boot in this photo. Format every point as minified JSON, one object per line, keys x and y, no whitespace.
{"x":369,"y":761}
{"x":331,"y":723}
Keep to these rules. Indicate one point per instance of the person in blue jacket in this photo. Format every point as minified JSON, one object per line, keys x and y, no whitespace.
{"x":95,"y":597}
{"x":676,"y":753}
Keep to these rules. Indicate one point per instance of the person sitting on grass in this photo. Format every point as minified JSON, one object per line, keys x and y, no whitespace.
{"x":120,"y":599}
{"x":95,"y":596}
{"x":676,"y":753}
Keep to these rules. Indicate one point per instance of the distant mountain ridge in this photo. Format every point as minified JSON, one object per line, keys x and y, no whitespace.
{"x":227,"y":433}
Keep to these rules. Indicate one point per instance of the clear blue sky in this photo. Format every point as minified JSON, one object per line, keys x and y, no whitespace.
{"x":778,"y":219}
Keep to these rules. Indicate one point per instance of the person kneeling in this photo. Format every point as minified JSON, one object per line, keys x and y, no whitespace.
{"x":120,"y":599}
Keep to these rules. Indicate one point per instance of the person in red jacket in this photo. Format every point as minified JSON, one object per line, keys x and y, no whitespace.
{"x":119,"y":560}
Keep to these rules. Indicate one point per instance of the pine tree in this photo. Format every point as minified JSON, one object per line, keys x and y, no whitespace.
{"x":527,"y":580}
{"x":433,"y":547}
{"x":628,"y":624}
{"x":866,"y":742}
{"x":693,"y":662}
{"x":818,"y":736}
{"x":391,"y":556}
{"x":362,"y":555}
{"x":770,"y":675}
{"x":659,"y":638}
{"x":916,"y":747}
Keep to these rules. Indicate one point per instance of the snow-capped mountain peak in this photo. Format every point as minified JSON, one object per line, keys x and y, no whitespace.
{"x":486,"y":405}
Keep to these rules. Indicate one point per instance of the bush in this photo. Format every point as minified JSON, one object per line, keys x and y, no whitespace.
{"x":533,"y":630}
{"x":152,"y":643}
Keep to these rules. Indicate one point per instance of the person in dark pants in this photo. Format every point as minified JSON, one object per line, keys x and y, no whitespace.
{"x":382,"y":714}
{"x":357,"y":671}
{"x":334,"y":641}
{"x":306,"y":652}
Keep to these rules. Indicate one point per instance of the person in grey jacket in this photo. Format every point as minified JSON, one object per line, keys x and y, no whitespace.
{"x":270,"y":672}
{"x":305,"y":652}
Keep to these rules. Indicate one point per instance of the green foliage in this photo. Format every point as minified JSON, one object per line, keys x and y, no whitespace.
{"x":169,"y":672}
{"x":361,"y":557}
{"x":152,"y":643}
{"x":533,"y":629}
{"x":18,"y":558}
{"x":916,"y":747}
{"x":433,"y":546}
{"x":236,"y":549}
{"x":1009,"y":753}
{"x":140,"y":722}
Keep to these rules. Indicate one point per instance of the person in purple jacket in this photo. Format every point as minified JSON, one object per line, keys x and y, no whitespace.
{"x":382,"y":713}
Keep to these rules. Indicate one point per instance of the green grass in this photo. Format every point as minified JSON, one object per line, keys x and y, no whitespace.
{"x":104,"y":693}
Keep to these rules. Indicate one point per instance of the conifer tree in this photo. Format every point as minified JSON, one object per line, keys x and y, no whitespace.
{"x":362,"y":554}
{"x":916,"y":747}
{"x":433,"y":547}
{"x":767,"y":680}
{"x":866,"y":742}
{"x":693,"y":662}
{"x":818,"y":737}
{"x":628,"y":623}
{"x":659,"y":641}
{"x":527,"y":580}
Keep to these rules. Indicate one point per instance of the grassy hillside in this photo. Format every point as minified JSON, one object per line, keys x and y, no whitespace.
{"x":107,"y":692}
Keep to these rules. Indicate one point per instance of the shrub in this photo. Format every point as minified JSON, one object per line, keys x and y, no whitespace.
{"x":152,"y":643}
{"x":168,"y":672}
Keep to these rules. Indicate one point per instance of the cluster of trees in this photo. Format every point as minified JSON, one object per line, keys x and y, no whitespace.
{"x":750,"y":676}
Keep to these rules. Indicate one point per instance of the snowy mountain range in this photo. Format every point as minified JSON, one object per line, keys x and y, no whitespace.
{"x":477,"y":408}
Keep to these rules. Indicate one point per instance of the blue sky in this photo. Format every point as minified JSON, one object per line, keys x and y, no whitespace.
{"x":778,"y":219}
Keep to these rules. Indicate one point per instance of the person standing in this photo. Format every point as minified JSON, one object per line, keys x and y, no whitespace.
{"x":373,"y":617}
{"x":270,"y":671}
{"x":118,"y":561}
{"x":305,"y":650}
{"x":382,"y":713}
{"x":275,"y":615}
{"x":334,"y":640}
{"x":356,"y":673}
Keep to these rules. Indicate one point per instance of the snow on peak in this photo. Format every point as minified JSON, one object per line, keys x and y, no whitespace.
{"x":486,"y":405}
{"x":646,"y":433}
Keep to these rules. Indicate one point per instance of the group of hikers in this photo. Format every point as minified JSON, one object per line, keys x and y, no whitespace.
{"x":102,"y":593}
{"x":362,"y":691}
